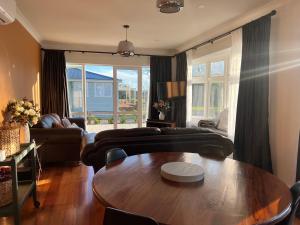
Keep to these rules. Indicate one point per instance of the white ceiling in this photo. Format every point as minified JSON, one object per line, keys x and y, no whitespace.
{"x":99,"y":22}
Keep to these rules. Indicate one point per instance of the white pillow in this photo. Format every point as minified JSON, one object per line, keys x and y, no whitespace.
{"x":74,"y":125}
{"x":66,"y":123}
{"x":223,"y":120}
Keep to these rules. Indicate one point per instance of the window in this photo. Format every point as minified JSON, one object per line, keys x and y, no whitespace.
{"x":103,"y":89}
{"x":199,"y":70}
{"x":209,"y":85}
{"x":217,"y":68}
{"x":198,"y":99}
{"x":75,"y":90}
{"x":109,"y":97}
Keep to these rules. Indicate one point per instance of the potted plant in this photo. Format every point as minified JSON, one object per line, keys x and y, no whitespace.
{"x":23,"y":112}
{"x":162,"y":107}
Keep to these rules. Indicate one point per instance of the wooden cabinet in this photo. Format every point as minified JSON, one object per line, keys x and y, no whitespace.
{"x":160,"y":123}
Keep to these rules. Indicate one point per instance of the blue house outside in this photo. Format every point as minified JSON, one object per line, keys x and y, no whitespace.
{"x":99,"y":93}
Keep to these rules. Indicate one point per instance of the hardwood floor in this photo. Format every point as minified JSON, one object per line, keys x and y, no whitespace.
{"x":66,"y":198}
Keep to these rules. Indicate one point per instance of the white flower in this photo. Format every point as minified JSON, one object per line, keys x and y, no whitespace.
{"x":17,"y":114}
{"x":20,"y":109}
{"x":28,"y":104}
{"x":34,"y":120}
{"x":26,"y":112}
{"x":31,"y":112}
{"x":21,"y":102}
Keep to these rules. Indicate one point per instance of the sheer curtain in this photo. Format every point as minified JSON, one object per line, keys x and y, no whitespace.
{"x":234,"y":79}
{"x":189,"y":93}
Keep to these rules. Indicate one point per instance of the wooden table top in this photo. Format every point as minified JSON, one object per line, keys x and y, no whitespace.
{"x":232,"y":193}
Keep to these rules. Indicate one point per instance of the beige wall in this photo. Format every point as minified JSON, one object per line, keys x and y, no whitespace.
{"x":105,"y":59}
{"x":285,"y":90}
{"x":19,"y":64}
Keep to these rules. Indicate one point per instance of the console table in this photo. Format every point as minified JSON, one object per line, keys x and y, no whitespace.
{"x":21,"y":190}
{"x":160,"y":123}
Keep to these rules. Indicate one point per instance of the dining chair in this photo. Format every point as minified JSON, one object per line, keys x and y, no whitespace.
{"x":115,"y":154}
{"x":295,"y":191}
{"x":118,"y":217}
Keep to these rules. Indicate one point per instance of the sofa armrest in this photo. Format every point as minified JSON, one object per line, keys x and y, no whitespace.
{"x":78,"y":121}
{"x":207,"y":123}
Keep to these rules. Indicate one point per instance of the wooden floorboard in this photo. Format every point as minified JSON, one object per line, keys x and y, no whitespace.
{"x":66,"y":197}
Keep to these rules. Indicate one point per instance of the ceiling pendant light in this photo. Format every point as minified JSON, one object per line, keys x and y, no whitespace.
{"x":170,"y":6}
{"x":126,"y":48}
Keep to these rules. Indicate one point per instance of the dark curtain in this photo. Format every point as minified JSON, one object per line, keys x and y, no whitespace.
{"x":160,"y":70}
{"x":298,"y":163}
{"x":180,"y":103}
{"x":54,"y":84}
{"x":252,"y":120}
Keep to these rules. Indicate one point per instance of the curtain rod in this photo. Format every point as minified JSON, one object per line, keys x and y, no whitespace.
{"x":194,"y":47}
{"x":94,"y":52}
{"x":212,"y":40}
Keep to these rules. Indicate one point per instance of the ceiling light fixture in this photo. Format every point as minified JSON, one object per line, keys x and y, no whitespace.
{"x":126,"y":48}
{"x":170,"y":6}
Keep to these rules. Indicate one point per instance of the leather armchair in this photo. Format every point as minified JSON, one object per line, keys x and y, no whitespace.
{"x":59,"y":144}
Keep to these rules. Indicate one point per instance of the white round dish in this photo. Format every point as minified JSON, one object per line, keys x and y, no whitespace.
{"x":182,"y":172}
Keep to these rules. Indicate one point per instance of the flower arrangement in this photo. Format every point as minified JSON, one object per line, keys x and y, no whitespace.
{"x":162,"y":106}
{"x":21,"y":111}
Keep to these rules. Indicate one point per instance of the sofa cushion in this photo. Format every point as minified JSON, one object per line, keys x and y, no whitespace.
{"x":66,"y":123}
{"x":57,"y":125}
{"x":134,"y":132}
{"x":56,"y":117}
{"x":48,"y":120}
{"x":178,"y":131}
{"x":223,"y":121}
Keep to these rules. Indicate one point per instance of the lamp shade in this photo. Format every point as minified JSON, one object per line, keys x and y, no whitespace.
{"x":170,"y":6}
{"x":126,"y":48}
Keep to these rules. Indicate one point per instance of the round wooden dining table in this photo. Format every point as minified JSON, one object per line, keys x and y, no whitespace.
{"x":232,"y":192}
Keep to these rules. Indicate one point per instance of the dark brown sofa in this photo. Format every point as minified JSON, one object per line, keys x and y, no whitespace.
{"x":60,"y":144}
{"x":146,"y":140}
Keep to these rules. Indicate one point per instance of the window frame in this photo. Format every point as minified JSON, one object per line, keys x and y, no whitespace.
{"x":207,"y":79}
{"x":138,"y":113}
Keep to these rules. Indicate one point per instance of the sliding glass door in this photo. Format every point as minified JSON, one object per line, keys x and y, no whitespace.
{"x":109,"y":96}
{"x":127,"y":97}
{"x":75,"y":90}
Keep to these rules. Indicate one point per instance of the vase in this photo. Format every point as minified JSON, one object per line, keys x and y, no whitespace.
{"x":161,"y":116}
{"x":24,"y":134}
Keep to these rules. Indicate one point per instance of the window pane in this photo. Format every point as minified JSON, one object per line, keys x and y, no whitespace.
{"x":103,"y":89}
{"x":215,"y":99}
{"x":98,"y":122}
{"x":199,"y":70}
{"x":198,"y":100}
{"x":75,"y":91}
{"x":99,"y":98}
{"x":126,"y":121}
{"x":127,"y":90}
{"x":217,"y":68}
{"x":145,"y":93}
